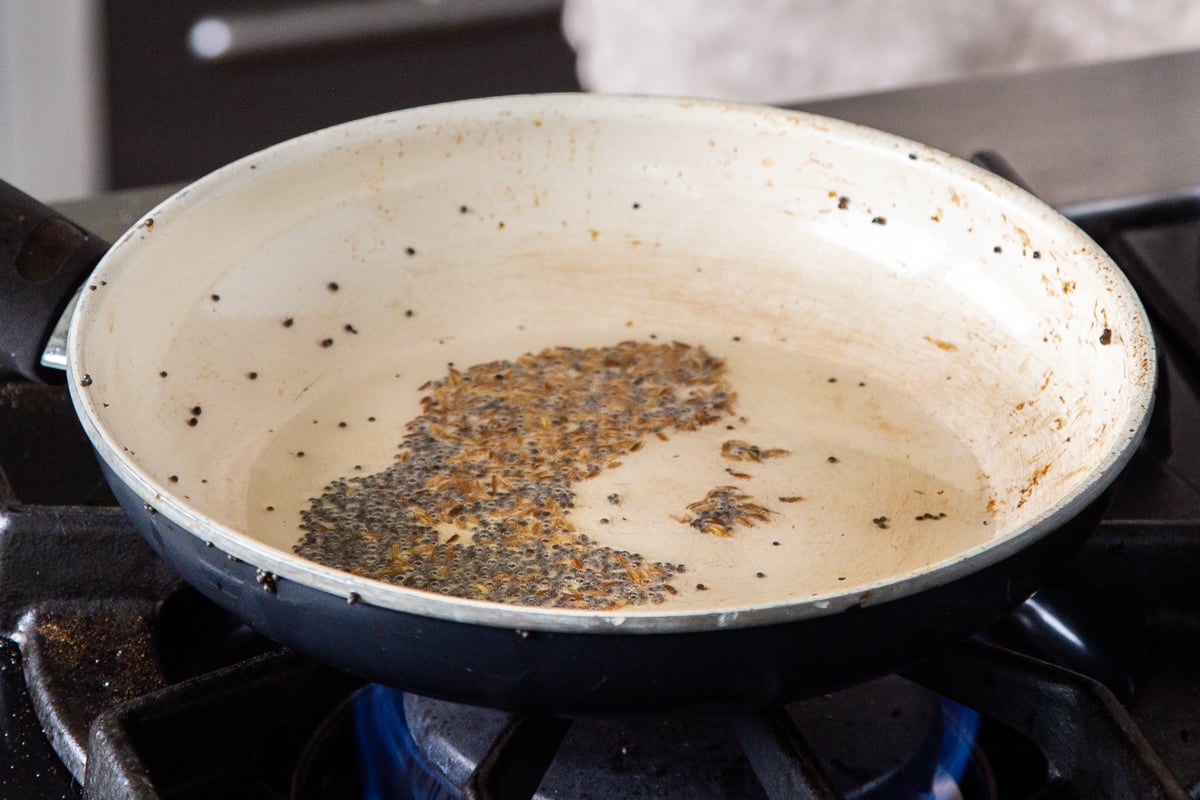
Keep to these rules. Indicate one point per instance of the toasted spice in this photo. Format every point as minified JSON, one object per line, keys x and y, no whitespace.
{"x":493,"y":458}
{"x":723,"y":508}
{"x":737,"y":450}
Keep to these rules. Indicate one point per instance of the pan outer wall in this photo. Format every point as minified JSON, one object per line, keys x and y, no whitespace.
{"x":621,"y":673}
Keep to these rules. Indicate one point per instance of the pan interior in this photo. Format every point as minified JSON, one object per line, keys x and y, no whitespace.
{"x":947,"y":365}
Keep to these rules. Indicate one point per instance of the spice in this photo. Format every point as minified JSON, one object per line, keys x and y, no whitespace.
{"x":723,"y":508}
{"x":737,"y":450}
{"x":493,"y":458}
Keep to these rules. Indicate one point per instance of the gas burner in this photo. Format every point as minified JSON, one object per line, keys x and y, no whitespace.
{"x":390,"y":744}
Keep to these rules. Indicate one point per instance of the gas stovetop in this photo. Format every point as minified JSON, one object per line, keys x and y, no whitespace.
{"x":119,"y":681}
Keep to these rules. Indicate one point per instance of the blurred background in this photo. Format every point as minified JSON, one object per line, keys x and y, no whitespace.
{"x":101,"y":94}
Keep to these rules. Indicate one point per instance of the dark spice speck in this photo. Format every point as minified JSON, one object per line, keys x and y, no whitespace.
{"x":332,"y":286}
{"x":327,"y":343}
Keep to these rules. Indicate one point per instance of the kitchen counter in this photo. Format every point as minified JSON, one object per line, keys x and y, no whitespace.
{"x":1076,"y":135}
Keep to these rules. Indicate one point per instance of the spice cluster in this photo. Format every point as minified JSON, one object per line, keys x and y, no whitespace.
{"x":478,"y":502}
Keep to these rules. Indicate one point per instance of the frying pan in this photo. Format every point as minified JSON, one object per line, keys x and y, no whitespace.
{"x":929,"y":379}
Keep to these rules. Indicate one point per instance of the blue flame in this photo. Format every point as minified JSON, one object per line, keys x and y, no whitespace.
{"x":393,"y":767}
{"x":959,"y":726}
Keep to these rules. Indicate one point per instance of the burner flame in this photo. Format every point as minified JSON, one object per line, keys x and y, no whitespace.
{"x":959,"y":727}
{"x":391,"y":763}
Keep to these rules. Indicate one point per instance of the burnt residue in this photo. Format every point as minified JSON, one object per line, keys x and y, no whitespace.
{"x":1106,"y":337}
{"x":493,"y":459}
{"x":82,"y":660}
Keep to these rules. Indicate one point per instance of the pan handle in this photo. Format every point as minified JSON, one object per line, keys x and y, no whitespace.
{"x":44,"y":257}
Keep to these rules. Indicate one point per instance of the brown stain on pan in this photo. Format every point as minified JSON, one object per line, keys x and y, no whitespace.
{"x":941,"y":344}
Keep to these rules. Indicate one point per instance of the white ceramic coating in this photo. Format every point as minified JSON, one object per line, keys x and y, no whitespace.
{"x":1007,"y":367}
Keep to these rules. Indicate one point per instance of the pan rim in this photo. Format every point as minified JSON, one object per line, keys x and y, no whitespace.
{"x":287,"y":566}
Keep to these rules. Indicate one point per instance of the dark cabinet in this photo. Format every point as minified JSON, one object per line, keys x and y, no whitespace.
{"x":193,"y":85}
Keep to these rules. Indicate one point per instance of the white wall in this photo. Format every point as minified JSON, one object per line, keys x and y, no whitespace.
{"x":51,"y":97}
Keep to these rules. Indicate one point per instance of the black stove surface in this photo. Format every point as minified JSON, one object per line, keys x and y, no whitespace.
{"x":118,"y":681}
